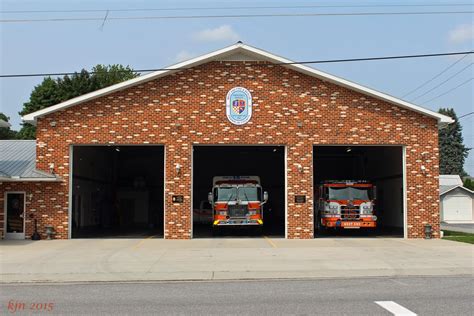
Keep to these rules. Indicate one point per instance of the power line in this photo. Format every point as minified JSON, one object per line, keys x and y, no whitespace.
{"x":254,"y":64}
{"x":450,"y":90}
{"x":230,"y":16}
{"x":443,"y":82}
{"x":436,"y":76}
{"x":467,"y":114}
{"x":240,"y":8}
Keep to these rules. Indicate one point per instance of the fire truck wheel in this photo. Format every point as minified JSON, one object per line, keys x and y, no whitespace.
{"x":320,"y":229}
{"x":371,"y":232}
{"x":258,"y":231}
{"x":216,"y":231}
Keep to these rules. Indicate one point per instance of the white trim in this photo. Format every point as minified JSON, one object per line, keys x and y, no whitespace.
{"x":5,"y":219}
{"x":71,"y":153}
{"x":69,"y":211}
{"x":194,"y":145}
{"x":237,"y":48}
{"x":405,"y":204}
{"x":192,"y":191}
{"x":404,"y":182}
{"x":164,"y":191}
{"x":4,"y":179}
{"x":285,"y":162}
{"x":457,"y":187}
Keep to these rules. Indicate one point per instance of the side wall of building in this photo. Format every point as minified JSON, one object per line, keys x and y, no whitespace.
{"x":45,"y":201}
{"x":290,"y":109}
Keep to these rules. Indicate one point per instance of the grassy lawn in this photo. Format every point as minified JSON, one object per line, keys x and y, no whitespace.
{"x":457,"y":236}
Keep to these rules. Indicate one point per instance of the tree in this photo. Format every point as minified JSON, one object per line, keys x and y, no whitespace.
{"x":452,"y":150}
{"x":6,"y":132}
{"x":53,"y":91}
{"x":468,"y":183}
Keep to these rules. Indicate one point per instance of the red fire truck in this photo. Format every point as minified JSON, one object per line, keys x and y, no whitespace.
{"x":345,"y":204}
{"x":237,"y":201}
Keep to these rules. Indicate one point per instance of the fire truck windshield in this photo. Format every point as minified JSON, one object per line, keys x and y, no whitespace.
{"x":233,"y":193}
{"x":348,"y":193}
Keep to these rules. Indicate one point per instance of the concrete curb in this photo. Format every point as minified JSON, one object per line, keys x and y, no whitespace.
{"x":215,"y":276}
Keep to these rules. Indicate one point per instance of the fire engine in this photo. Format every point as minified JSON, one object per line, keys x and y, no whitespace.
{"x":237,"y":201}
{"x":346,"y":204}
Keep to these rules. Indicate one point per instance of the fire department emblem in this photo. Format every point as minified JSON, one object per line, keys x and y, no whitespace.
{"x":239,"y":106}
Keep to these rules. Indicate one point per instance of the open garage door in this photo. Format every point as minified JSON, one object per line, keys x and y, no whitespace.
{"x":117,"y":191}
{"x":358,"y":191}
{"x":265,"y":162}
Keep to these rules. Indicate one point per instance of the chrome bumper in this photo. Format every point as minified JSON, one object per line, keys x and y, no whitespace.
{"x":238,"y":222}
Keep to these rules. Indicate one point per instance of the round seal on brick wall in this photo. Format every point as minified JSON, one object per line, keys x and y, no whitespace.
{"x":238,"y":105}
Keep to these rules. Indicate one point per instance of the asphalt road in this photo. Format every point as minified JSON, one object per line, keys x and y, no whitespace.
{"x":420,"y":295}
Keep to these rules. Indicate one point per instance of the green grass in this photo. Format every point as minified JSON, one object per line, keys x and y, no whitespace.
{"x":458,"y":236}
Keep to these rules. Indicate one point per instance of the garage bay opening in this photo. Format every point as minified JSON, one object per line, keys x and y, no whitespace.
{"x":358,"y":191}
{"x":117,"y":191}
{"x":238,"y":191}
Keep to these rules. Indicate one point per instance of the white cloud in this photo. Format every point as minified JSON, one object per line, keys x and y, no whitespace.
{"x":183,"y":55}
{"x":221,"y":33}
{"x":462,"y":33}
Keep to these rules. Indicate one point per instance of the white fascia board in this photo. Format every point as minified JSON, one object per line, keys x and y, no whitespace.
{"x":457,"y":187}
{"x":442,"y":119}
{"x":8,"y":179}
{"x":353,"y":86}
{"x":31,"y":117}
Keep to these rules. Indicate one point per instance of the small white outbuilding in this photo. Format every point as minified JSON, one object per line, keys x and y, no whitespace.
{"x":456,"y":201}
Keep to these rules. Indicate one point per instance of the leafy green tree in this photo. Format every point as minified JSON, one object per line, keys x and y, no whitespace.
{"x":6,"y":132}
{"x":468,"y":183}
{"x":452,"y":150}
{"x":53,"y":91}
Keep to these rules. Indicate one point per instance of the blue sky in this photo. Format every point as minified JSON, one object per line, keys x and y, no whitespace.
{"x":71,"y":46}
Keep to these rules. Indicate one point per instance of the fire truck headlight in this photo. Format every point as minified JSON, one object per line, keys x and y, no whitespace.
{"x":224,"y":213}
{"x":252,"y":212}
{"x":366,"y":209}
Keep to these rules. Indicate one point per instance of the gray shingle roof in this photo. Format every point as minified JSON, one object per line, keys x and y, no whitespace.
{"x":446,"y":188}
{"x":18,"y":161}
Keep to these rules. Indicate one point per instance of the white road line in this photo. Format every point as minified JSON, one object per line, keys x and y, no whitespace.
{"x":395,"y":309}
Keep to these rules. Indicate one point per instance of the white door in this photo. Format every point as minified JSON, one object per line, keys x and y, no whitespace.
{"x":15,"y":215}
{"x":457,"y":208}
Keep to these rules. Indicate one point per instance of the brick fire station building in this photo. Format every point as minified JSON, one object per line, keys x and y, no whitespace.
{"x":139,"y":155}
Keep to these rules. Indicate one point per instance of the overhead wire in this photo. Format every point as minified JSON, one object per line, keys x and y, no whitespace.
{"x":467,"y":114}
{"x":450,"y":90}
{"x":259,"y":64}
{"x":239,"y":8}
{"x":436,"y":76}
{"x":230,"y":16}
{"x":443,"y":82}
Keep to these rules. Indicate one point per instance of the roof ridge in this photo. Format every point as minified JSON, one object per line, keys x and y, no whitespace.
{"x":442,"y":119}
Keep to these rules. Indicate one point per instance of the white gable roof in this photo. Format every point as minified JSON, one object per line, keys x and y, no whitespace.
{"x":242,"y":52}
{"x":450,"y":179}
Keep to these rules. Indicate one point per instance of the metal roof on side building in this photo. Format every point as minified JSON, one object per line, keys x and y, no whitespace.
{"x":18,"y":162}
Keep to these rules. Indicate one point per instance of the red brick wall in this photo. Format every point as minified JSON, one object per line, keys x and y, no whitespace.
{"x":46,"y":202}
{"x":189,"y":108}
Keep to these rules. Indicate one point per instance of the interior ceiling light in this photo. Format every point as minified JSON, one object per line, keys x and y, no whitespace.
{"x":348,"y":149}
{"x":117,"y":149}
